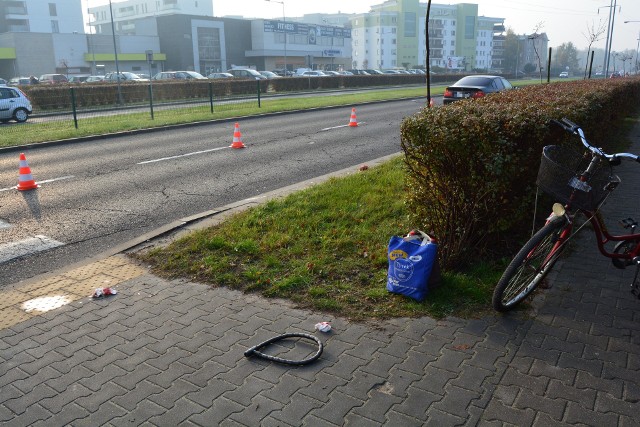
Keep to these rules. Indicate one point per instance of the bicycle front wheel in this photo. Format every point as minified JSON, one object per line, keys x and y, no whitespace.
{"x":530,"y":265}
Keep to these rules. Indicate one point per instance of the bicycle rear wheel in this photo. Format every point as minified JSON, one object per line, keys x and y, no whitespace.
{"x":530,"y":266}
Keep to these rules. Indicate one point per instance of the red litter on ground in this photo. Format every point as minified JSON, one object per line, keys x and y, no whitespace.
{"x":323,"y":326}
{"x":103,"y":292}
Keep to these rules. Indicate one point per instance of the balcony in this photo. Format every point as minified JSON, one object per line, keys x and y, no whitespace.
{"x":15,"y":10}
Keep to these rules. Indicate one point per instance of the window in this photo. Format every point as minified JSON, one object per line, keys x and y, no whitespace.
{"x":469,"y":27}
{"x":52,"y":9}
{"x":54,"y":27}
{"x":7,"y":93}
{"x":409,"y":24}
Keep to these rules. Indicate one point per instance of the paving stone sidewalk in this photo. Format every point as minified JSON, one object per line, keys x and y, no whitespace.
{"x":171,"y":353}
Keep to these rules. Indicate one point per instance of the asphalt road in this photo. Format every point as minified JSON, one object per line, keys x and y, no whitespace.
{"x":96,"y":195}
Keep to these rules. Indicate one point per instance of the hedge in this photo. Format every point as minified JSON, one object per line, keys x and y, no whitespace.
{"x":472,"y":164}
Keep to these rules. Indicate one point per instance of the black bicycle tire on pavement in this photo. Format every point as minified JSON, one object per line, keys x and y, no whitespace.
{"x":541,"y":243}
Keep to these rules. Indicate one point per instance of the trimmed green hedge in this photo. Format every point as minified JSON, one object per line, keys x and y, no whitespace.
{"x":472,"y":165}
{"x":57,"y":97}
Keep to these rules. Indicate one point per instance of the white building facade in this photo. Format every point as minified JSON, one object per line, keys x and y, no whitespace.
{"x":323,"y":47}
{"x":124,"y":13}
{"x":38,"y":16}
{"x":393,"y":35}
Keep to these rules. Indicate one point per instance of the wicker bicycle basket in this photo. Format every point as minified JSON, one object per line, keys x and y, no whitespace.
{"x":560,"y":167}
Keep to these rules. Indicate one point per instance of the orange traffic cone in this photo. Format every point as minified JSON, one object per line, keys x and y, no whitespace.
{"x":353,"y":122}
{"x":237,"y":138}
{"x":25,"y":182}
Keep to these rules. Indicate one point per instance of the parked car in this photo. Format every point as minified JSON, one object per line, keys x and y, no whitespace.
{"x":19,"y":81}
{"x":358,"y":72}
{"x":53,"y":78}
{"x":178,"y":75}
{"x":269,"y":74}
{"x":3,"y":82}
{"x":615,"y":75}
{"x":315,"y":73}
{"x":475,"y":87}
{"x":345,"y":73}
{"x":220,"y":76}
{"x":391,"y":72}
{"x":124,"y":77}
{"x":564,"y":75}
{"x":14,"y":105}
{"x":246,"y":73}
{"x":94,"y":79}
{"x":282,"y":73}
{"x":373,"y":72}
{"x":78,"y":79}
{"x":331,"y":73}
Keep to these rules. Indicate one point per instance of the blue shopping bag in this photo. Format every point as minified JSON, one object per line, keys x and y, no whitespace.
{"x":411,"y":262}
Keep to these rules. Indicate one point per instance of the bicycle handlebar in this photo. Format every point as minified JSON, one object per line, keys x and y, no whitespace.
{"x":614,"y":159}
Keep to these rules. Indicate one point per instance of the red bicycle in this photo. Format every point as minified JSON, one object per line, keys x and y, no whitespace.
{"x":582,"y":181}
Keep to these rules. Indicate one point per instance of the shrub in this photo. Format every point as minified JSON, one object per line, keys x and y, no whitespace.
{"x":472,"y":165}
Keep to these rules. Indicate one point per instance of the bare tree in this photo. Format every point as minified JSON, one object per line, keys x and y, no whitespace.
{"x":593,"y":35}
{"x":533,"y":37}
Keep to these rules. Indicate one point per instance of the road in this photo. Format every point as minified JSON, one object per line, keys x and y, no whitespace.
{"x":98,"y":194}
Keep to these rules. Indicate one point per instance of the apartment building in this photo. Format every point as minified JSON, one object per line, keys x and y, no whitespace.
{"x":393,"y":34}
{"x":38,"y":16}
{"x":38,"y":37}
{"x":125,"y":13}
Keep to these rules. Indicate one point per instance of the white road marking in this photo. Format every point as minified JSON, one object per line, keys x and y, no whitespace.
{"x":341,"y":126}
{"x":180,"y":155}
{"x":40,"y":182}
{"x":29,"y":246}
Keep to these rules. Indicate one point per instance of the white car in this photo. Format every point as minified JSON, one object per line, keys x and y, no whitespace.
{"x":564,"y":75}
{"x":316,"y":73}
{"x":14,"y":105}
{"x":124,"y":77}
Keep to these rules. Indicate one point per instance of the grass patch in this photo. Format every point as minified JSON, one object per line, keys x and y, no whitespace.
{"x":325,"y":248}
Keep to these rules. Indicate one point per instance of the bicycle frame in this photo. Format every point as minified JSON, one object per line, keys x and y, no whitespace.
{"x":595,"y":219}
{"x":603,"y":237}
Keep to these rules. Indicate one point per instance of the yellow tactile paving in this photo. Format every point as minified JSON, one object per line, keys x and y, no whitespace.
{"x":87,"y":286}
{"x":33,"y":286}
{"x":11,"y":298}
{"x":10,"y":316}
{"x":40,"y":296}
{"x":50,"y":287}
{"x":115,"y":261}
{"x":127,"y":272}
{"x":87,"y":271}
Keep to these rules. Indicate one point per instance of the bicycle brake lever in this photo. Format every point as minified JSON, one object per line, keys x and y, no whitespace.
{"x":569,"y":125}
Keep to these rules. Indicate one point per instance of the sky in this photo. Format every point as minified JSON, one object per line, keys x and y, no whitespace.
{"x":563,"y":21}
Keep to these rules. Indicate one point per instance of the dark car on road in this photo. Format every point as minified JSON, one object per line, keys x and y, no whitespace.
{"x":475,"y":87}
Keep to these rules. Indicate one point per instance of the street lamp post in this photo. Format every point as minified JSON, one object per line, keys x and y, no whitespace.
{"x":637,"y":48}
{"x":284,"y":29}
{"x":115,"y":52}
{"x":607,"y":47}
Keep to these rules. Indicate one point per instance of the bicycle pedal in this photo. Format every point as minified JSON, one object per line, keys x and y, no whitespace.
{"x":628,"y":223}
